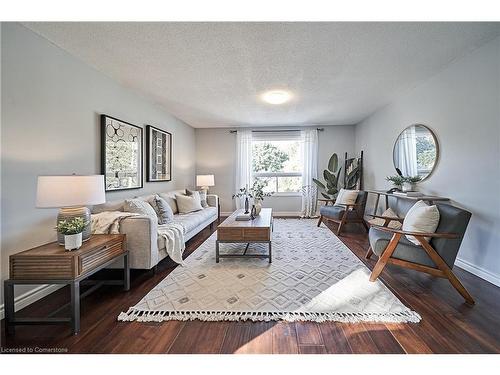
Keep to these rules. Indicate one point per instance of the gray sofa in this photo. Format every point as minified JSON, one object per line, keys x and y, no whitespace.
{"x":145,"y":247}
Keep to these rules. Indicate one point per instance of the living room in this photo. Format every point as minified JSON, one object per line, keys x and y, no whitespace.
{"x":250,"y":187}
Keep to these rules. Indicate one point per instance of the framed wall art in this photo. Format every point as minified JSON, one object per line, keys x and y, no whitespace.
{"x":159,"y":154}
{"x":121,"y":154}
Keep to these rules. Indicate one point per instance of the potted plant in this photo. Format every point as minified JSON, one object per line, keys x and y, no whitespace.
{"x":72,"y":230}
{"x":256,"y":192}
{"x":410,"y":183}
{"x":397,"y":180}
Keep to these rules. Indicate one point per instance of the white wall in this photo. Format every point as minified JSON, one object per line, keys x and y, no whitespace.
{"x":216,"y":154}
{"x":462,"y":106}
{"x":51,"y":104}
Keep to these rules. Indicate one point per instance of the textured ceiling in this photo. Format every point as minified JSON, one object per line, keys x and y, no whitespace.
{"x":211,"y":74}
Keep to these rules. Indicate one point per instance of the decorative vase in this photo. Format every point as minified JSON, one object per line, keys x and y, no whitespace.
{"x":72,"y":241}
{"x":246,"y":204}
{"x":258,"y":207}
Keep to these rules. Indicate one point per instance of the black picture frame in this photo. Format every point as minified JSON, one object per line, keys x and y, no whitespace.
{"x":154,"y":155}
{"x":130,"y":132}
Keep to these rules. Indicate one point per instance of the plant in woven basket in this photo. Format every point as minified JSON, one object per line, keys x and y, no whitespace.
{"x":329,"y":188}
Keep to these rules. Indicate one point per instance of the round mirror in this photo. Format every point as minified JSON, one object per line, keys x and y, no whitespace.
{"x":416,"y":151}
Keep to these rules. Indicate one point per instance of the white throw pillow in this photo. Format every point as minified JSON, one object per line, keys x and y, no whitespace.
{"x":187,"y":204}
{"x":346,"y":196}
{"x":421,"y":218}
{"x":387,"y":213}
{"x":139,"y":206}
{"x":203,"y":196}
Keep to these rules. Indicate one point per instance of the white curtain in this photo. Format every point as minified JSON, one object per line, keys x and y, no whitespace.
{"x":243,"y":171}
{"x":309,"y":142}
{"x":407,"y":153}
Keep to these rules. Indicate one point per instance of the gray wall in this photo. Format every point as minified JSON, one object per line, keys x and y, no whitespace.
{"x":50,"y":125}
{"x":216,"y":154}
{"x":462,"y":105}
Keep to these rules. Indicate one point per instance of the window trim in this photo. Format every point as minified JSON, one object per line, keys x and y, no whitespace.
{"x":277,"y":175}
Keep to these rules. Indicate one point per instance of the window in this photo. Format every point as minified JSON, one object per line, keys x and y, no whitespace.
{"x":277,"y":161}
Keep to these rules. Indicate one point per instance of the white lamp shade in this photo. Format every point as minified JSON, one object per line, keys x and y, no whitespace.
{"x":69,"y":191}
{"x":205,"y":180}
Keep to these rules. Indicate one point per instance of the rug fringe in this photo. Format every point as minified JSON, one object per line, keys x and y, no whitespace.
{"x":209,"y":316}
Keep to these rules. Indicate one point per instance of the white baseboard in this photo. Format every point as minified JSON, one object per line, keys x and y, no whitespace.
{"x":478,"y":271}
{"x":275,"y":213}
{"x":31,"y":296}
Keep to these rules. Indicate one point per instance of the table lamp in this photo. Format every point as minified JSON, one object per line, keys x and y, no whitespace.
{"x":205,"y":180}
{"x":71,"y":194}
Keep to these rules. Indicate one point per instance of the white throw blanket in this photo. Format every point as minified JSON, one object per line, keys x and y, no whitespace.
{"x":108,"y":222}
{"x":173,"y":233}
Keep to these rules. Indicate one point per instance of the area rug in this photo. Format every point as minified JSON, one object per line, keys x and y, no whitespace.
{"x":313,"y":277}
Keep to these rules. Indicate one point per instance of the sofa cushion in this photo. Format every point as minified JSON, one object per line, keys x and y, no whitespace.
{"x":108,"y":206}
{"x":193,"y":219}
{"x":336,"y":212}
{"x":169,"y":197}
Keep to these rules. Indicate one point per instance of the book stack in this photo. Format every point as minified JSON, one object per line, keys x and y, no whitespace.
{"x":243,"y":217}
{"x":408,"y":193}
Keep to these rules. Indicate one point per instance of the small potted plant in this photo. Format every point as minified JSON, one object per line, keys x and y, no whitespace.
{"x":397,"y":181}
{"x":410,"y":183}
{"x":72,"y":230}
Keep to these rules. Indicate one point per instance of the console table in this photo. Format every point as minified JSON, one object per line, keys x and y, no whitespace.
{"x":428,"y":198}
{"x":52,"y":264}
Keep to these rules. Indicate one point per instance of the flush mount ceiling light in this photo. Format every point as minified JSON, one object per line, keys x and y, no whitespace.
{"x":276,"y":96}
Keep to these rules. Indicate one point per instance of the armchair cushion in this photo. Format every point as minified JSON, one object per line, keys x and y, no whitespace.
{"x":405,"y":250}
{"x":336,"y":212}
{"x":346,"y":196}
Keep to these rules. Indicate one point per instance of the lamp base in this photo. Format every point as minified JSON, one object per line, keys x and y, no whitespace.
{"x":68,"y":213}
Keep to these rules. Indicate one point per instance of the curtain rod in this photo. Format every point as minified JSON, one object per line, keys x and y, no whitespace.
{"x":275,"y":131}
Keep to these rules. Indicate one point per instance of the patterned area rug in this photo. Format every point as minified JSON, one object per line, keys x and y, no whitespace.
{"x":313,"y":277}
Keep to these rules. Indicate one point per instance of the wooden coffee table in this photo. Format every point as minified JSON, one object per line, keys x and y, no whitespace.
{"x":251,"y":231}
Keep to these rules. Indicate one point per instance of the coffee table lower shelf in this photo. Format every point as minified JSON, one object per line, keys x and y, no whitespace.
{"x":218,"y":255}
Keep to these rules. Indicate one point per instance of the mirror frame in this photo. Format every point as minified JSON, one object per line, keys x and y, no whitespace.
{"x":435,"y":142}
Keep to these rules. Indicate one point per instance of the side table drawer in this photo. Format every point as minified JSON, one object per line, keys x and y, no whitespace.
{"x":90,"y":261}
{"x":33,"y":268}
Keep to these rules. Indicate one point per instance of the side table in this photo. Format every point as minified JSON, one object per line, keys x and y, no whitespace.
{"x":52,"y":264}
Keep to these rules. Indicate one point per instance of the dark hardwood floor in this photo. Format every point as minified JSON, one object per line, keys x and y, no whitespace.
{"x":447,"y":326}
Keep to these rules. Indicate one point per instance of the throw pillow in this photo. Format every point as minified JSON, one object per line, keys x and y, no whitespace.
{"x":421,"y":218}
{"x":203,"y":196}
{"x":162,"y":209}
{"x":188,"y":204}
{"x":171,"y":201}
{"x":346,"y":196}
{"x":387,"y":213}
{"x":139,"y":206}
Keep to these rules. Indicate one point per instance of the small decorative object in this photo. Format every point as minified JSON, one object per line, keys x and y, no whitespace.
{"x":329,"y":189}
{"x":121,"y":150}
{"x":397,"y":181}
{"x":253,"y":212}
{"x":410,"y":183}
{"x":256,"y":192}
{"x":71,"y":194}
{"x":159,"y":151}
{"x":72,"y":230}
{"x":205,"y":181}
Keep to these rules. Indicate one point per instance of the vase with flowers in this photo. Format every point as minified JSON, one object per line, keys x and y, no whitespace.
{"x":256,"y":192}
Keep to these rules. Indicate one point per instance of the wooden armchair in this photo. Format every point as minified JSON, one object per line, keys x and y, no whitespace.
{"x":435,"y":257}
{"x":345,"y":213}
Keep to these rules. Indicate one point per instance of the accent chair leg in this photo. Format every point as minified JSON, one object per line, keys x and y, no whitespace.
{"x":320,"y":220}
{"x":369,"y":253}
{"x":342,"y":222}
{"x":384,"y":257}
{"x":441,"y":264}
